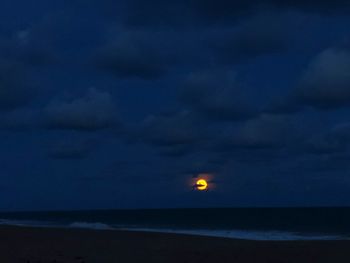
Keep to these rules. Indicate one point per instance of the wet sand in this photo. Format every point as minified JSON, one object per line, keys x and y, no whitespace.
{"x":44,"y":245}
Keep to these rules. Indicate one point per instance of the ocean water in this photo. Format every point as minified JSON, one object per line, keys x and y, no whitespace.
{"x":243,"y":223}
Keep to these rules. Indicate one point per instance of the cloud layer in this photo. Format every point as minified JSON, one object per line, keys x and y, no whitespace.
{"x":218,"y":95}
{"x":326,"y":82}
{"x":94,"y":111}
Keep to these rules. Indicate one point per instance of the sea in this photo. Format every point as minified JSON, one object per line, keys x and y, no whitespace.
{"x":318,"y":223}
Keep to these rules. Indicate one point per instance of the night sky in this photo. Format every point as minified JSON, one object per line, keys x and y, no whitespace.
{"x":122,"y":104}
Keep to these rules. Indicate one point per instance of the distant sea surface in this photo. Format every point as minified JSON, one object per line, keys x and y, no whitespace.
{"x":244,"y":223}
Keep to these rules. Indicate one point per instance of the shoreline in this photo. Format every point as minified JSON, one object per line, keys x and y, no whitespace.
{"x":252,"y":235}
{"x":31,"y":244}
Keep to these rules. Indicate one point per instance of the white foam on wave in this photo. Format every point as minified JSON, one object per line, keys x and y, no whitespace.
{"x":96,"y":226}
{"x":247,"y":235}
{"x":234,"y":234}
{"x":24,"y":223}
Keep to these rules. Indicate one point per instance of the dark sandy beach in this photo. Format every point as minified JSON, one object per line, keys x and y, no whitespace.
{"x":19,"y":244}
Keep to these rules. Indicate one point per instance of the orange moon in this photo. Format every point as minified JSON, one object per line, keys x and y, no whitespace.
{"x":202,"y":184}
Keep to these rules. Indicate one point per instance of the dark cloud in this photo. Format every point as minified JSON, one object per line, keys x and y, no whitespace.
{"x":324,"y":85}
{"x":94,"y":111}
{"x":19,"y":53}
{"x":326,"y":82}
{"x":323,"y":6}
{"x":331,"y":142}
{"x":322,"y":164}
{"x":71,"y":149}
{"x":263,"y":34}
{"x":178,"y":151}
{"x":157,"y":12}
{"x":218,"y":95}
{"x":141,"y":54}
{"x":325,"y":145}
{"x":284,"y":105}
{"x":264,"y":132}
{"x":152,"y":52}
{"x":19,"y":119}
{"x":26,"y":47}
{"x":169,"y":130}
{"x":14,"y":91}
{"x":174,"y":134}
